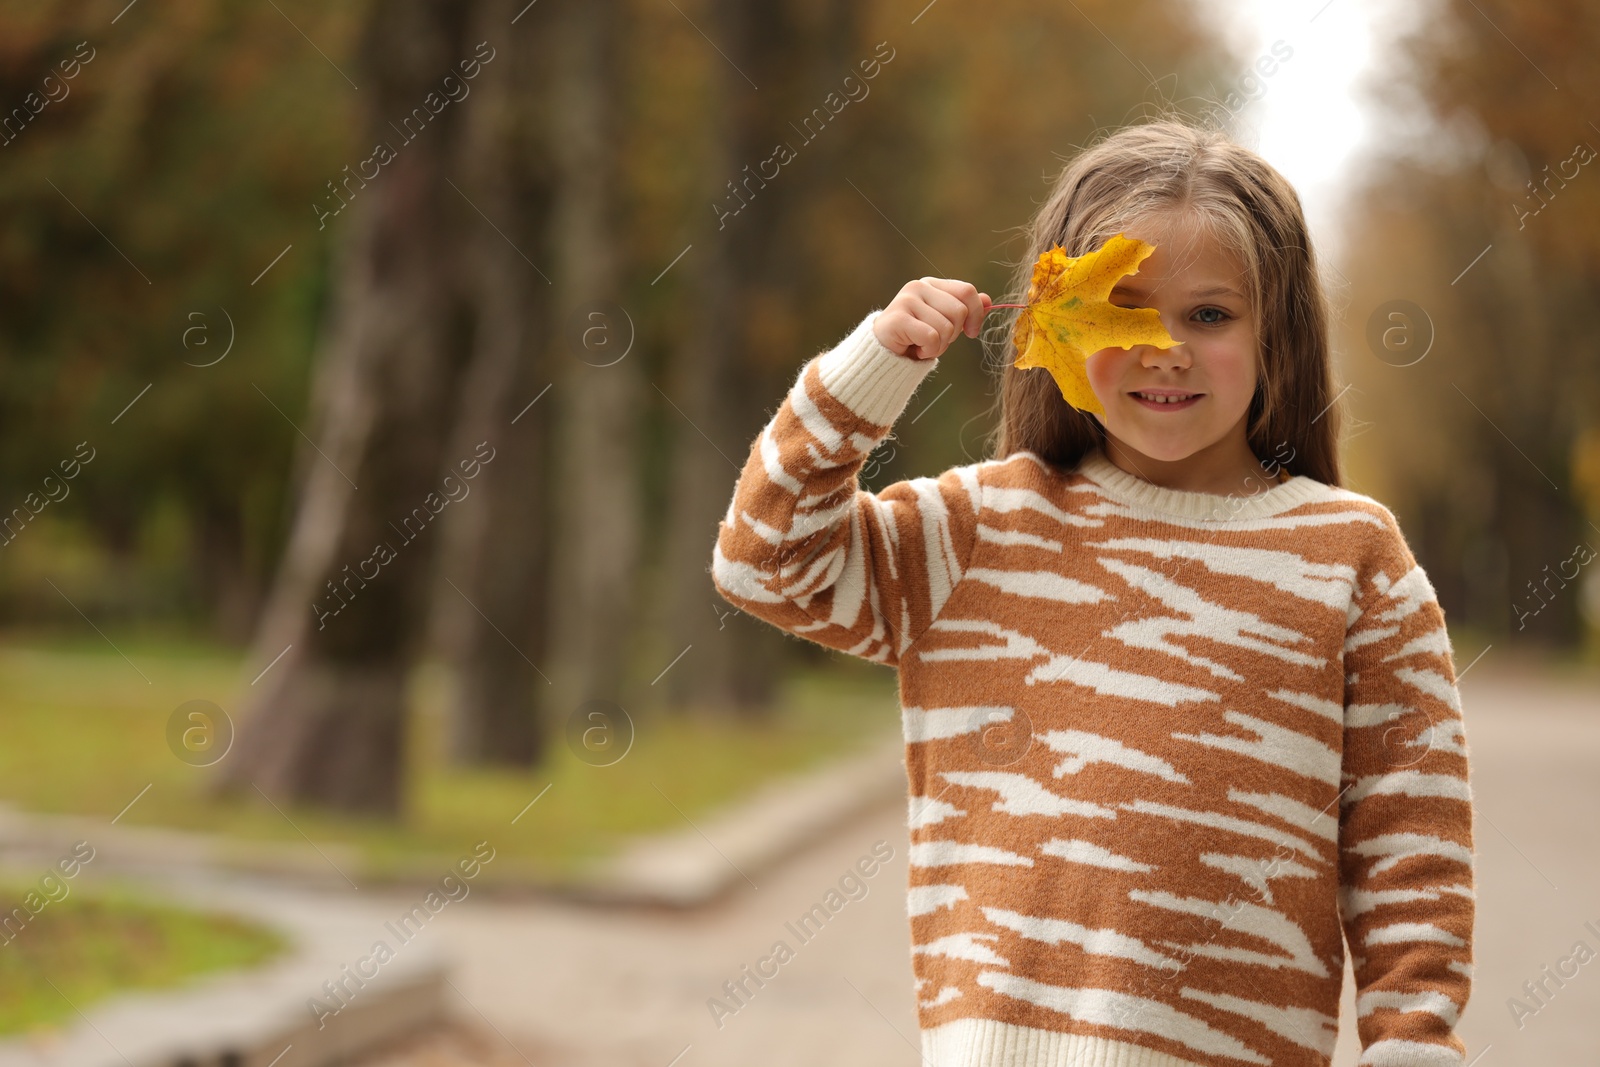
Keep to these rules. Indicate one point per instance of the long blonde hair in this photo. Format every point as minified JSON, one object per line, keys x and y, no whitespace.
{"x":1240,"y":200}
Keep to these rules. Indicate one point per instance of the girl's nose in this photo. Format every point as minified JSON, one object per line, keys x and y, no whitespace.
{"x":1152,"y":356}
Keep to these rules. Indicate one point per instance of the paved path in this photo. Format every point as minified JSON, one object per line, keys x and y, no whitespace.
{"x":1535,"y":747}
{"x":631,"y":988}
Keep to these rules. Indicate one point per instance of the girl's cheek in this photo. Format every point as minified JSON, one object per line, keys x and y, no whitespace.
{"x":1103,"y":370}
{"x":1230,"y":380}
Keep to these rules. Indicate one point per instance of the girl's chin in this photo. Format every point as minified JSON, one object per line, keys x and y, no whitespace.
{"x":1160,"y":449}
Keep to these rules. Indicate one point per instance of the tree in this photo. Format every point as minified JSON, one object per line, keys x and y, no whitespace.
{"x":593,"y":519}
{"x":228,"y":123}
{"x":731,"y":663}
{"x":1494,"y":234}
{"x":490,"y":596}
{"x":325,"y":724}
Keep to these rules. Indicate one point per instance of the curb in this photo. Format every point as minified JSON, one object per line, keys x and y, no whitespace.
{"x":29,"y":839}
{"x":697,"y":865}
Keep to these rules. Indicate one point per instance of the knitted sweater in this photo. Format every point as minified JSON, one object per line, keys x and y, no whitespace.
{"x":1163,"y":747}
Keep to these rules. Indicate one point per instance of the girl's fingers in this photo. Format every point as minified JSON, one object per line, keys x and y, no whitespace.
{"x":924,"y":336}
{"x":969,"y":305}
{"x":936,"y":320}
{"x":950,"y":307}
{"x":977,"y":307}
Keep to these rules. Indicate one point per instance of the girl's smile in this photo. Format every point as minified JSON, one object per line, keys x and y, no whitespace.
{"x":1166,"y":399}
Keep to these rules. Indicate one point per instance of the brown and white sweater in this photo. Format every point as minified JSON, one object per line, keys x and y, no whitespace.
{"x":1163,"y":747}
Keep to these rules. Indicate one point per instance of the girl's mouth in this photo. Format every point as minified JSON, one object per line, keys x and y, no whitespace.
{"x":1167,"y":401}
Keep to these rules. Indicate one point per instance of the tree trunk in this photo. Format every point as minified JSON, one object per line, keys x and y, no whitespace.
{"x":325,"y":723}
{"x":595,"y":397}
{"x":489,"y":598}
{"x":717,"y":384}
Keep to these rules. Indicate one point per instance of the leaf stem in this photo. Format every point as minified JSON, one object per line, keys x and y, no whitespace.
{"x":991,"y":307}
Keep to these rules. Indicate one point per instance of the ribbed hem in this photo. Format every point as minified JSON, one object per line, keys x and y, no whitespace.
{"x":991,"y":1043}
{"x":1396,"y":1052}
{"x":868,"y":378}
{"x":1134,"y":491}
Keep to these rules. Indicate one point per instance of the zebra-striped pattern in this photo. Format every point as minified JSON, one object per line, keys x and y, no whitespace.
{"x":1164,"y":748}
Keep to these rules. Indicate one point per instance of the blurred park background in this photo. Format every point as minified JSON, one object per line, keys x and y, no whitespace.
{"x":508,"y":288}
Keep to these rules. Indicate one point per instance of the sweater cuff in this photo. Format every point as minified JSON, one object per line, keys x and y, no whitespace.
{"x":868,"y":378}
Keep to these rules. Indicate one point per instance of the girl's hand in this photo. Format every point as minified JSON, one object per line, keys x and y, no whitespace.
{"x":927,"y":314}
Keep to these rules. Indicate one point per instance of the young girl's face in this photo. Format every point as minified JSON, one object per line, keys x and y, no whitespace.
{"x":1201,"y":292}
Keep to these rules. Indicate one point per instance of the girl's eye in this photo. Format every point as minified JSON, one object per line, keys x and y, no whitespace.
{"x":1213,"y":322}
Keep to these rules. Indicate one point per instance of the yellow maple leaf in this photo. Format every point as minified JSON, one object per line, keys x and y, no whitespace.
{"x":1068,"y":316}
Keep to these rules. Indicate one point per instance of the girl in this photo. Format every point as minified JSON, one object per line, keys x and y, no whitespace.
{"x":1180,"y":710}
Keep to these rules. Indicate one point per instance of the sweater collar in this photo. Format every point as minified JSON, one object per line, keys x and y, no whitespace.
{"x":1134,"y":491}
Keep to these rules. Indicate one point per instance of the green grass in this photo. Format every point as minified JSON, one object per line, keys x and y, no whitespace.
{"x":84,"y":732}
{"x":87,"y":945}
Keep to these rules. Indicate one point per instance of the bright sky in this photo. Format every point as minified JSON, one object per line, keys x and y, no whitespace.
{"x":1311,"y":118}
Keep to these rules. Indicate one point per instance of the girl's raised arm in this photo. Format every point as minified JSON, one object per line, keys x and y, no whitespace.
{"x":803,"y":547}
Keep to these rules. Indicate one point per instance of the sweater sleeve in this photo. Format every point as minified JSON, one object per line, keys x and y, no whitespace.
{"x":1406,"y":897}
{"x":804,"y":548}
